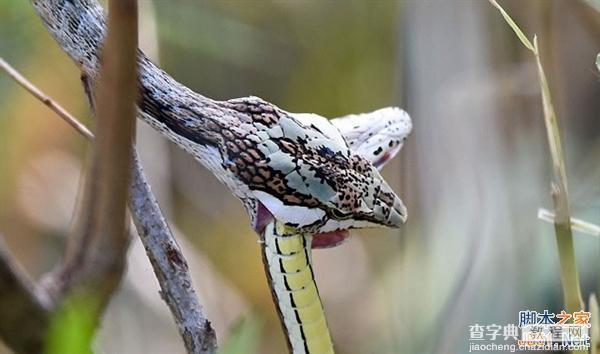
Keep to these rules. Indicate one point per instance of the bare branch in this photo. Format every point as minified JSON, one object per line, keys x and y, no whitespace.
{"x":24,"y":308}
{"x":170,"y":266}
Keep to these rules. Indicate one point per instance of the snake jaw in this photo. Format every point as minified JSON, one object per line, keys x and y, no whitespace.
{"x":261,"y":217}
{"x":400,"y":213}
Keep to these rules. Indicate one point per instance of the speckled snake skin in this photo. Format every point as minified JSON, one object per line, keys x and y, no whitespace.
{"x":296,"y":174}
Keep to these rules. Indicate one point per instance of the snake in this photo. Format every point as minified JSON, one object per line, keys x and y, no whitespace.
{"x":304,"y":180}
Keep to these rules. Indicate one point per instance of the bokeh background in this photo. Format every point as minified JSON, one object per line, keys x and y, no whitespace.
{"x":473,"y":173}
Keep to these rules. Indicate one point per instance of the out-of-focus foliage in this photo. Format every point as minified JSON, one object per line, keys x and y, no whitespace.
{"x":244,"y":337}
{"x":473,"y":174}
{"x":595,"y":322}
{"x":72,"y":328}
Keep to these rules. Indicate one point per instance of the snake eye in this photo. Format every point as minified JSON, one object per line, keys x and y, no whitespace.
{"x":338,"y":214}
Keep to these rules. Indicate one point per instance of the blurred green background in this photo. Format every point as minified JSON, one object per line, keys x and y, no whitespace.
{"x":473,"y":173}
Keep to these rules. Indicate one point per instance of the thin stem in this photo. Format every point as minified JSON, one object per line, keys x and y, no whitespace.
{"x":58,"y":109}
{"x":560,"y":197}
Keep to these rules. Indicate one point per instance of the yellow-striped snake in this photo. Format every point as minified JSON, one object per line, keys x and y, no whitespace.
{"x":304,"y":180}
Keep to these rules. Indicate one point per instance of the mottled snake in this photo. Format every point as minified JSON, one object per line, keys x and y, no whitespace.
{"x":304,"y":180}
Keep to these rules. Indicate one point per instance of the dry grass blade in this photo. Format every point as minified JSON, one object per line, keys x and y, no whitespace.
{"x":560,"y":194}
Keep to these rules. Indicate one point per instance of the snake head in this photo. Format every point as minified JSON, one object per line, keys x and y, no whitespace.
{"x":302,"y":171}
{"x":363,"y":199}
{"x":351,"y":195}
{"x":359,"y":198}
{"x":378,"y":135}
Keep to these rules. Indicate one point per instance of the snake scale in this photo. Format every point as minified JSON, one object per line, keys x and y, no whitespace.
{"x":304,"y":180}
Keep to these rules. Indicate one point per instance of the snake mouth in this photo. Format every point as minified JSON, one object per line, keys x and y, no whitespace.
{"x":330,"y":239}
{"x":383,"y":160}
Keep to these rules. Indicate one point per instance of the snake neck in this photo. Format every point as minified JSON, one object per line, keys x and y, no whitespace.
{"x":288,"y":265}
